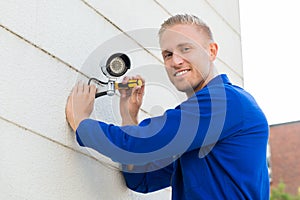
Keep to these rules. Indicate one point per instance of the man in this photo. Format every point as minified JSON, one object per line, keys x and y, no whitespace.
{"x":214,"y":142}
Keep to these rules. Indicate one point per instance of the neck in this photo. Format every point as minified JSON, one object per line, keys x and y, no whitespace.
{"x":211,"y":75}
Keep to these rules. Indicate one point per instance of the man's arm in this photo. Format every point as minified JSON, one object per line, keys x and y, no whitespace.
{"x":151,"y":181}
{"x":147,"y":178}
{"x":150,"y":177}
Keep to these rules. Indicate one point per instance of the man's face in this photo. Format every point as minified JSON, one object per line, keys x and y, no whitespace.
{"x":186,"y":54}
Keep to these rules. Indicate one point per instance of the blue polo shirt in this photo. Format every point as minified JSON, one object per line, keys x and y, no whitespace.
{"x":211,"y":146}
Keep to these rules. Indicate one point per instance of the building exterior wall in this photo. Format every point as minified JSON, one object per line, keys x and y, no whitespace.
{"x":46,"y":47}
{"x":285,"y":152}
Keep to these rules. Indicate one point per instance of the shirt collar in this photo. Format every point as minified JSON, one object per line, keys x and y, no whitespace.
{"x":220,"y":79}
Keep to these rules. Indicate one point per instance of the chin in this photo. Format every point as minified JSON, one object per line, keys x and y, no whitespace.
{"x":185,"y":89}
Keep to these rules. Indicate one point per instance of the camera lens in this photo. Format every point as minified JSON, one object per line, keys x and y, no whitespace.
{"x":117,"y":65}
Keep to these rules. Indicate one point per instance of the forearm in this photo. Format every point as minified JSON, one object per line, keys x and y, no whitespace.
{"x":151,"y":181}
{"x":129,"y":121}
{"x":129,"y":117}
{"x":116,"y":141}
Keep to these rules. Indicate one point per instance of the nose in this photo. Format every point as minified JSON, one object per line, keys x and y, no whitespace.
{"x":177,"y":59}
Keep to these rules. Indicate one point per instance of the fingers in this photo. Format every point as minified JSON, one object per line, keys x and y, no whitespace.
{"x":82,"y":90}
{"x":140,"y":78}
{"x":124,"y":93}
{"x":80,"y":103}
{"x":138,"y":91}
{"x":79,"y":87}
{"x":93,"y":90}
{"x":125,"y":79}
{"x":141,"y":88}
{"x":86,"y":88}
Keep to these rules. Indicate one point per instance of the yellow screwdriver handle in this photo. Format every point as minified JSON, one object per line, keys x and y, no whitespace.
{"x":129,"y":84}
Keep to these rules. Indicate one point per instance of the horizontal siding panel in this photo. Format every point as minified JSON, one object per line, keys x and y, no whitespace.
{"x":234,"y":78}
{"x":36,"y":168}
{"x":34,"y":87}
{"x":68,"y":29}
{"x":133,"y":14}
{"x":229,"y":10}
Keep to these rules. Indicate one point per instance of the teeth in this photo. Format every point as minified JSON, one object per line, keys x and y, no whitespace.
{"x":181,"y":72}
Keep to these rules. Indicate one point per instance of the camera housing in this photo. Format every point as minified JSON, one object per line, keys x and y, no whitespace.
{"x":116,"y":65}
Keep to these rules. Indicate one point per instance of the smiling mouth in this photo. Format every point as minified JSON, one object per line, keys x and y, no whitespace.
{"x":180,"y":73}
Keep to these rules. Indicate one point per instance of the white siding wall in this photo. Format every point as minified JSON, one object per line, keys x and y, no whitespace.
{"x":46,"y":47}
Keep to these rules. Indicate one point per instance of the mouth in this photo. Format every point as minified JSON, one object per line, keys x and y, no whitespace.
{"x":181,"y":72}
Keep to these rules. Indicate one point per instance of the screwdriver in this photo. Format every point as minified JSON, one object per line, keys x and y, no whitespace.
{"x":130,"y":84}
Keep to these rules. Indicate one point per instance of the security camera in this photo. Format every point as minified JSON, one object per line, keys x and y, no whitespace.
{"x":116,"y":65}
{"x":113,"y":67}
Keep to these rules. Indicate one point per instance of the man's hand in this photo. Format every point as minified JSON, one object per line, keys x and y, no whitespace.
{"x":80,"y":104}
{"x":131,"y":101}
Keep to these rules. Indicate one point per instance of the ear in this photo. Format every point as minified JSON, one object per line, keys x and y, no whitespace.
{"x":213,"y":50}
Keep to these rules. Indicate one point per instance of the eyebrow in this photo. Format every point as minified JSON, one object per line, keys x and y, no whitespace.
{"x":179,"y":46}
{"x":165,"y":51}
{"x":185,"y":44}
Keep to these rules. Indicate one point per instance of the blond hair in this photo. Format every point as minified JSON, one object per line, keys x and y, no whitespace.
{"x":185,"y":19}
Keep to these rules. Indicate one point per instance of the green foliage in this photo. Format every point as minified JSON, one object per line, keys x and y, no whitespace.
{"x":279,"y":193}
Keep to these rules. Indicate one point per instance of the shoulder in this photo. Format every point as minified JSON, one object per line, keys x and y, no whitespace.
{"x":236,"y":94}
{"x":242,"y":104}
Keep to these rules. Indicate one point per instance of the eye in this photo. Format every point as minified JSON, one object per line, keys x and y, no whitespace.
{"x":167,"y":55}
{"x":185,"y":49}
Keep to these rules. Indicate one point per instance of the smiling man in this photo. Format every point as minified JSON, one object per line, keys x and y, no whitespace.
{"x":188,"y":53}
{"x":211,"y":146}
